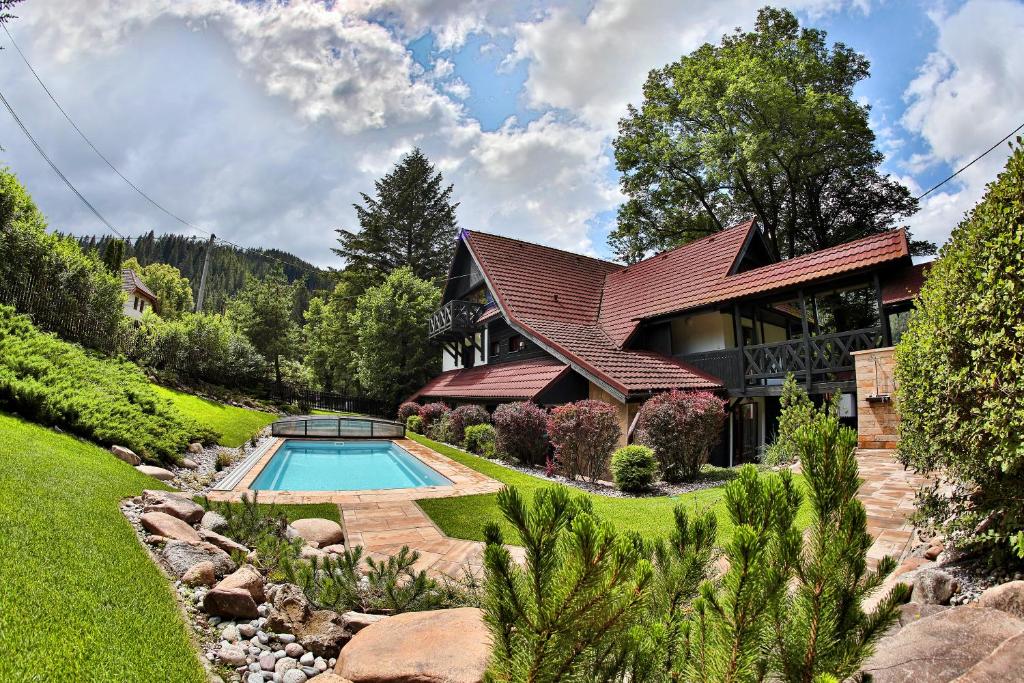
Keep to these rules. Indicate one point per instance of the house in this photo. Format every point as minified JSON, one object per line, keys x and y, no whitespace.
{"x":138,"y":297}
{"x":520,"y":321}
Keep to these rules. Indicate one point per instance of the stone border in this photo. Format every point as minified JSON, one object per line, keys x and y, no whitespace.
{"x":465,"y":482}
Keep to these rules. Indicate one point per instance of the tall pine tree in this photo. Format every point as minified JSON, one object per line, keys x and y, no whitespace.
{"x":409,"y":223}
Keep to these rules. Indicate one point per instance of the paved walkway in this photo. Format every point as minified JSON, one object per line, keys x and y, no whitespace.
{"x":888,"y":496}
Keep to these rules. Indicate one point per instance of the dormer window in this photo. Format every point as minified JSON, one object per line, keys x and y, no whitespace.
{"x":516,"y":343}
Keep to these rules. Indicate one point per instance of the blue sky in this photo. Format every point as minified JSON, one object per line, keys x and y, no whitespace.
{"x":263,"y":122}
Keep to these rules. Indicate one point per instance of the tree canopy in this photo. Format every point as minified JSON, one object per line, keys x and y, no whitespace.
{"x":263,"y":312}
{"x":409,"y":223}
{"x":173,"y":292}
{"x":765,"y":125}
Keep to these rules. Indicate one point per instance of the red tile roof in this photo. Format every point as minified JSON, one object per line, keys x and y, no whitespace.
{"x":904,"y":285}
{"x":522,"y":380}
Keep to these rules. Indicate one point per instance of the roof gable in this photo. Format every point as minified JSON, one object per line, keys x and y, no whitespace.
{"x":131,"y":283}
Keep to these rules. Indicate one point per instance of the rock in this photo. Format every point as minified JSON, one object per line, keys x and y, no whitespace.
{"x":933,"y":587}
{"x":153,"y":539}
{"x":308,"y":552}
{"x":307,"y":659}
{"x":320,"y":531}
{"x":294,"y":676}
{"x":232,"y":655}
{"x":229,"y":602}
{"x":200,"y":574}
{"x":213,"y":521}
{"x":357,"y":621}
{"x":255,"y":677}
{"x":246,"y":630}
{"x":249,"y":580}
{"x":938,"y":648}
{"x":172,"y":504}
{"x":1004,"y":664}
{"x":912,"y":611}
{"x":180,"y":556}
{"x":230,"y":633}
{"x":451,"y":645}
{"x":267,"y":661}
{"x":223,"y":542}
{"x":285,"y":664}
{"x":323,"y":633}
{"x":155,"y":472}
{"x":126,"y":454}
{"x":290,"y":533}
{"x":320,"y":664}
{"x":189,"y":464}
{"x":163,"y":524}
{"x":290,"y":607}
{"x":336,"y":549}
{"x":1008,"y":597}
{"x":329,"y":677}
{"x":293,"y":650}
{"x":934,"y":549}
{"x":195,"y":448}
{"x":286,"y":638}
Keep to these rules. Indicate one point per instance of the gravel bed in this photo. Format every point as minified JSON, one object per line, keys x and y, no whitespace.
{"x":200,"y":480}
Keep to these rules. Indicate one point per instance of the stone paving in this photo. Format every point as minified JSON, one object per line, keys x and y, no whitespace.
{"x":888,"y":497}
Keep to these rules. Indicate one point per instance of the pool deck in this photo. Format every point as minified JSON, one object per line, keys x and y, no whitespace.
{"x":384,"y":520}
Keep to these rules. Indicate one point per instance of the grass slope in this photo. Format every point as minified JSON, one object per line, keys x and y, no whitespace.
{"x":81,"y":600}
{"x":235,"y":425}
{"x":464,"y":517}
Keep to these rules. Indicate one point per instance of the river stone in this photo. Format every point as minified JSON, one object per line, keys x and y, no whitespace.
{"x":126,"y":454}
{"x":213,"y":521}
{"x":172,"y":504}
{"x":451,"y":645}
{"x":938,"y":648}
{"x":232,"y":655}
{"x":933,"y":587}
{"x":189,"y":464}
{"x":1008,"y":597}
{"x":294,"y":676}
{"x":246,"y":578}
{"x":294,"y":650}
{"x":320,"y":531}
{"x":285,"y":664}
{"x":222,"y":542}
{"x":229,"y":602}
{"x":180,"y":556}
{"x":155,"y":472}
{"x":201,"y":574}
{"x":195,"y":447}
{"x":163,"y":524}
{"x":336,"y":549}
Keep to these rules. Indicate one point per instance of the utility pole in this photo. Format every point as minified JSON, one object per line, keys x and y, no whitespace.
{"x":206,"y":270}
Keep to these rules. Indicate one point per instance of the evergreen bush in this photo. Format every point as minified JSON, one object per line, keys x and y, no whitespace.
{"x":466,"y":416}
{"x":480,"y":440}
{"x":960,"y":374}
{"x":406,"y":409}
{"x":522,"y":432}
{"x":634,"y":468}
{"x":583,"y":435}
{"x":414,"y":424}
{"x":797,"y":411}
{"x":681,"y":427}
{"x":109,"y":401}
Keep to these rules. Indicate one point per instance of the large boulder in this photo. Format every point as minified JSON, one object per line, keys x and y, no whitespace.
{"x":1006,"y":663}
{"x":126,"y":454}
{"x":246,"y":578}
{"x":913,"y":611}
{"x":450,"y":645}
{"x":222,"y":542}
{"x":155,"y":472}
{"x":290,"y":607}
{"x":163,"y":524}
{"x":181,"y":556}
{"x":195,"y":447}
{"x":357,"y":621}
{"x":173,"y":504}
{"x":213,"y":521}
{"x":230,"y":602}
{"x":323,"y":633}
{"x":1007,"y":597}
{"x":941,"y":647}
{"x":322,"y":532}
{"x":933,"y":587}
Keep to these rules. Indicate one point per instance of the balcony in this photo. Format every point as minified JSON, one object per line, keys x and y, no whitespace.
{"x":454,"y":321}
{"x":821,"y":359}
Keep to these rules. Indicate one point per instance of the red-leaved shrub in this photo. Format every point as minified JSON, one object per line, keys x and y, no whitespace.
{"x":681,"y":427}
{"x":432,"y":412}
{"x":521,"y":432}
{"x":584,"y":435}
{"x":406,"y":409}
{"x":467,"y":416}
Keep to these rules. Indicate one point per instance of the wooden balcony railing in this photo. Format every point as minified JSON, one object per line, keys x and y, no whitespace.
{"x":455,"y":320}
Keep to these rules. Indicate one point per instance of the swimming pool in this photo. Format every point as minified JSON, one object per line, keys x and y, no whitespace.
{"x":300,"y":465}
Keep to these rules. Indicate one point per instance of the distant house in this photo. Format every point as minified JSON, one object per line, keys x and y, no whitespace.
{"x":139,"y":296}
{"x":521,"y":321}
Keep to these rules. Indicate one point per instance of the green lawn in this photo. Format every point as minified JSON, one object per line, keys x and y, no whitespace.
{"x":236,"y":425}
{"x":464,"y":517}
{"x":79,"y":597}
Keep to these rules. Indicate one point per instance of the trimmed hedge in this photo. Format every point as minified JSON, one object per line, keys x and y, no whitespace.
{"x":634,"y":468}
{"x":108,"y":401}
{"x":480,"y":440}
{"x":584,"y":435}
{"x":466,"y":416}
{"x":414,"y":424}
{"x":681,"y":427}
{"x":522,"y":432}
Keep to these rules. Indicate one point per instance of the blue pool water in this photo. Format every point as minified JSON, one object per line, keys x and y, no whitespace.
{"x":300,"y":465}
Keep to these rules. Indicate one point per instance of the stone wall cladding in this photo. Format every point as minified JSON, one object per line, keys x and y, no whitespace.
{"x":877,"y":422}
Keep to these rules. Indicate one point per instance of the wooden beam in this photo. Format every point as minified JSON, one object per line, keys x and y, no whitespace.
{"x":737,"y":327}
{"x":807,"y":338}
{"x":883,"y":319}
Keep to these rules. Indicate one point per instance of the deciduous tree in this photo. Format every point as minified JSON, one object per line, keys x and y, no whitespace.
{"x":263,"y":312}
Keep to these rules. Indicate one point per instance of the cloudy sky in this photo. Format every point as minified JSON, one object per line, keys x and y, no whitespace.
{"x":263,"y":121}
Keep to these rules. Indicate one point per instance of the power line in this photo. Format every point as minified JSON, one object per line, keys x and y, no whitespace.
{"x":56,"y":170}
{"x":970,"y":163}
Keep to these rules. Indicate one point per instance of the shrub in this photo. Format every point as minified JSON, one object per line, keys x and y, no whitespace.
{"x":584,"y":435}
{"x":431,"y":412}
{"x":797,"y":411}
{"x":441,"y":429}
{"x":109,"y":401}
{"x":406,"y":409}
{"x":414,"y":424}
{"x":521,"y":431}
{"x":466,"y":416}
{"x":681,"y":427}
{"x":960,"y":374}
{"x":480,"y":440}
{"x":634,"y":468}
{"x":262,"y":528}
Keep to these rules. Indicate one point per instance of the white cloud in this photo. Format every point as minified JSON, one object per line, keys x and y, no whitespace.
{"x":967,"y":95}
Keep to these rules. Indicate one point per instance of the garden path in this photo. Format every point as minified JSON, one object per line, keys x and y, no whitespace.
{"x":888,"y":497}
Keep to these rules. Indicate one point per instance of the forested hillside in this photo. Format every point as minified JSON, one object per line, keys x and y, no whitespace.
{"x":228,"y":269}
